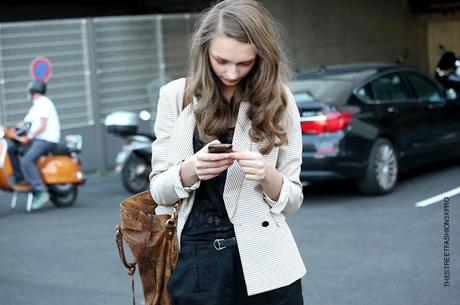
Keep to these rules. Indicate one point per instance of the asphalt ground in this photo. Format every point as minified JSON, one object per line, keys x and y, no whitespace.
{"x":357,"y":249}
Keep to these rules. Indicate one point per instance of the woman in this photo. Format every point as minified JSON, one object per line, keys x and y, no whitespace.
{"x":235,"y":245}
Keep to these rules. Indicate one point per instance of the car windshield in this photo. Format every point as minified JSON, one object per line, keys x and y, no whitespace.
{"x":328,"y":88}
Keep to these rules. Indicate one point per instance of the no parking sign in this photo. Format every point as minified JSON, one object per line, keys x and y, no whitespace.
{"x":41,"y":69}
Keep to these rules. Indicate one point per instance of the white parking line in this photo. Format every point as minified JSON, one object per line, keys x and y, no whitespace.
{"x":437,"y":198}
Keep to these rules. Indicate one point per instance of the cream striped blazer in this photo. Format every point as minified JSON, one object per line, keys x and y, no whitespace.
{"x":269,"y":254}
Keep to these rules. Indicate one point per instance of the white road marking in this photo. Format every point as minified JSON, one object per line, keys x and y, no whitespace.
{"x":437,"y":198}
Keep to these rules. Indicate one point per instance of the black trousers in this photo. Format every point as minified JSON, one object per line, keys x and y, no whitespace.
{"x":206,"y":276}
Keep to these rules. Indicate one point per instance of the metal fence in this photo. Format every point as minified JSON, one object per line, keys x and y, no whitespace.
{"x":99,"y":64}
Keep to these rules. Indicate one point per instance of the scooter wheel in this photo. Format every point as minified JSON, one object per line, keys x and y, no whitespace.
{"x":132,"y":174}
{"x":63,"y":195}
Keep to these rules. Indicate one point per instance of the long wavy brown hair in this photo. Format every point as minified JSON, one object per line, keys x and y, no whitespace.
{"x":247,"y":21}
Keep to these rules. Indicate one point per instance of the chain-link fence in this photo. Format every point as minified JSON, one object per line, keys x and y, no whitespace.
{"x":99,"y":64}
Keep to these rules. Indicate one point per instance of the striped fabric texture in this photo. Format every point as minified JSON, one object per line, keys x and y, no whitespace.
{"x":269,"y":254}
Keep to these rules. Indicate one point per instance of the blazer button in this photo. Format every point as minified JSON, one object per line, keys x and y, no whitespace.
{"x":265,"y":224}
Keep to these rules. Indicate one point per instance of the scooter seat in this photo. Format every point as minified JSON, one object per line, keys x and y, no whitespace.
{"x":61,"y":150}
{"x":148,"y":135}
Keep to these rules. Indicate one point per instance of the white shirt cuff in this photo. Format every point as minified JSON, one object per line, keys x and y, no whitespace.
{"x":181,"y":191}
{"x":278,"y":206}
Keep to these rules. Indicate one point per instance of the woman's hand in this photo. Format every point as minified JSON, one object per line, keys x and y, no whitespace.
{"x":254,"y":168}
{"x":210,"y":165}
{"x":252,"y":164}
{"x":204,"y":165}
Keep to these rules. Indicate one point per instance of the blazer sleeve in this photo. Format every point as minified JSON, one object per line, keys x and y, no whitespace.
{"x":165,"y":182}
{"x":289,"y":163}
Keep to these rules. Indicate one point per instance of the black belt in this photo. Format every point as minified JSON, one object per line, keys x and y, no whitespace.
{"x":220,"y":244}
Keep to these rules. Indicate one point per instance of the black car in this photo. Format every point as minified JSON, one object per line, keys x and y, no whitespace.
{"x":369,"y":122}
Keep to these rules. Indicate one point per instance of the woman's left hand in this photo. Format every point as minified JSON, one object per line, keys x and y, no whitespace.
{"x":252,"y":164}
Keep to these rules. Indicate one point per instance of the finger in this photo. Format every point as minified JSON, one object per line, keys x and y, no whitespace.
{"x":207,"y":177}
{"x":238,"y":155}
{"x":244,"y":155}
{"x":213,"y":171}
{"x":208,"y":157}
{"x":252,"y":177}
{"x":250,"y":163}
{"x":214,"y":157}
{"x":206,"y":164}
{"x":202,"y":171}
{"x":250,"y":170}
{"x":254,"y":171}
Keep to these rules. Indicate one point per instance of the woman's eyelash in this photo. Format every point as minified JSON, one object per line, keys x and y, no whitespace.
{"x":221,"y":61}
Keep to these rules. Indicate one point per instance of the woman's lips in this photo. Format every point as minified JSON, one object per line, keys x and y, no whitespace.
{"x":230,"y":81}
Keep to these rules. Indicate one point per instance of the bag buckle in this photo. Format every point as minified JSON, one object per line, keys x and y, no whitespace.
{"x":217,"y":244}
{"x":172,"y":219}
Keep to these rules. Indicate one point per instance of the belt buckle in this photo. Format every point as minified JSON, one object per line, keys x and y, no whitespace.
{"x":217,"y":245}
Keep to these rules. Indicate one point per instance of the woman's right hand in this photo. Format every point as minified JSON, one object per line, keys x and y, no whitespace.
{"x":204,"y":165}
{"x":209,"y":165}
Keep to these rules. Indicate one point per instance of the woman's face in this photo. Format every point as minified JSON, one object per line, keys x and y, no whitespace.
{"x":230,"y":59}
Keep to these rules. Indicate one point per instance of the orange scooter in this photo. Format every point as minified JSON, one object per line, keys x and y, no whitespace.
{"x":60,"y":170}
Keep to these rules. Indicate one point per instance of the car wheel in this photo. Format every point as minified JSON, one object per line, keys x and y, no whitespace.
{"x":382,"y":169}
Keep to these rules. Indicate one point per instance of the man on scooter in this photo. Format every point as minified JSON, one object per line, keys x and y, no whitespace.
{"x":41,"y":138}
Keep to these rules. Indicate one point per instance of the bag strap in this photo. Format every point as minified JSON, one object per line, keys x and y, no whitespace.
{"x":130,"y":266}
{"x":121,"y":251}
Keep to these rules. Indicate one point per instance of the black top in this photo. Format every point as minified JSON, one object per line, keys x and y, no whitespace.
{"x":208,"y":219}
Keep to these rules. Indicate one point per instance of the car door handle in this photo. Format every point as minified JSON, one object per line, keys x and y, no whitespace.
{"x":434,"y":105}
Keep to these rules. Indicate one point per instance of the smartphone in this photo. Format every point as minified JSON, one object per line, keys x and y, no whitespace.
{"x":220,"y":148}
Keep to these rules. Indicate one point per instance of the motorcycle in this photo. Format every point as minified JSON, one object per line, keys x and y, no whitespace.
{"x":448,"y":70}
{"x":133,"y":161}
{"x":60,"y":169}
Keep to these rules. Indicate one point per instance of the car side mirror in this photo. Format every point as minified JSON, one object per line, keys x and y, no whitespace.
{"x":451,"y":94}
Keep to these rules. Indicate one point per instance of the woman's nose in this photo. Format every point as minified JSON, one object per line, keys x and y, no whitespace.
{"x":232,"y":73}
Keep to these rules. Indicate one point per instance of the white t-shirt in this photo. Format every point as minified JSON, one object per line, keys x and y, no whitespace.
{"x":43,"y":107}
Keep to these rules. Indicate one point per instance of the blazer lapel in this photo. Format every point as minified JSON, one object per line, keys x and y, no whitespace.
{"x":182,"y":135}
{"x":235,"y":176}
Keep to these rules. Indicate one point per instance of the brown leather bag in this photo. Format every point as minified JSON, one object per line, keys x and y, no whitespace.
{"x":153,"y":243}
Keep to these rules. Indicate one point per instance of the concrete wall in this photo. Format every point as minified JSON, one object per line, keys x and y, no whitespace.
{"x":445,"y":30}
{"x":335,"y":31}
